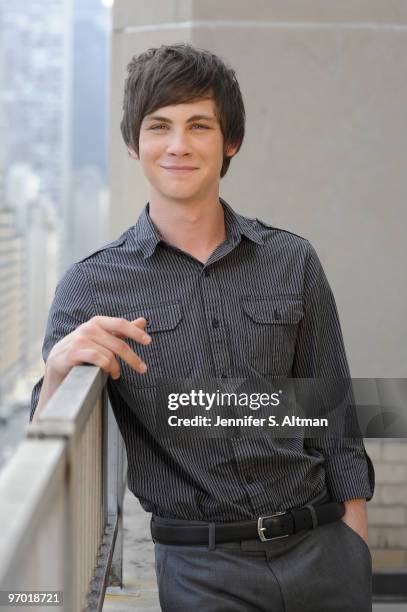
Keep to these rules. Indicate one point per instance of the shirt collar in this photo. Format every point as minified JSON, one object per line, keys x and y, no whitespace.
{"x":237,"y":225}
{"x":146,"y":233}
{"x":148,"y":236}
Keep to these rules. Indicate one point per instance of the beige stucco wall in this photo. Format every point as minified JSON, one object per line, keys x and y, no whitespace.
{"x":324,"y":156}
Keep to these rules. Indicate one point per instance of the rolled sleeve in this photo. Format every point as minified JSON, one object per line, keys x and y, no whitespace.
{"x":320,"y":354}
{"x":72,"y":306}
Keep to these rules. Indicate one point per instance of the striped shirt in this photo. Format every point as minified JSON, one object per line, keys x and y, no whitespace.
{"x":260,"y":304}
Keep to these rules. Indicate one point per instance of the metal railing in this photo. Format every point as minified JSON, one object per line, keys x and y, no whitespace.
{"x":61,"y":497}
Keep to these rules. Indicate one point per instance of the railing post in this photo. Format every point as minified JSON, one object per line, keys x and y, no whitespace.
{"x":116,"y":474}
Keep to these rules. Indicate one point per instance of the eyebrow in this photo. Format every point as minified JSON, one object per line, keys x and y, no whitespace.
{"x":193,"y":118}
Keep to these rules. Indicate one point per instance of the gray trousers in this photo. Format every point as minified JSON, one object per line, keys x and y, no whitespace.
{"x":327,"y":569}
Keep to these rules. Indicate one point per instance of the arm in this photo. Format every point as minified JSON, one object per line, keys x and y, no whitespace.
{"x":71,"y":306}
{"x":356,"y":516}
{"x":75,"y":335}
{"x":320,"y":353}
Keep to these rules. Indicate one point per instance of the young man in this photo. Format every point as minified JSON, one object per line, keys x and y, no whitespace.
{"x":195,"y":290}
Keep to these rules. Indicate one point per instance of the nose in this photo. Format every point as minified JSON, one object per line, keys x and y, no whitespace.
{"x":178,"y":143}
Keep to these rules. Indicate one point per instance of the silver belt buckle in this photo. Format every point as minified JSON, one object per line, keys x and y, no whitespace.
{"x":261,"y":529}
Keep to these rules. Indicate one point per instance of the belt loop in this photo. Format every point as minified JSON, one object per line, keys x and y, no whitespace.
{"x":313,"y":515}
{"x":212,"y":538}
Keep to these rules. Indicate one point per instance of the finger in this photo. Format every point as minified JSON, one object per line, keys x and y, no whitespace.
{"x":96,"y":355}
{"x":141,"y":322}
{"x":117,"y":346}
{"x":121,"y":328}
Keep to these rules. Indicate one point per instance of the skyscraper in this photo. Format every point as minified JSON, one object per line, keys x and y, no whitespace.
{"x":54,"y":66}
{"x":12,"y":300}
{"x":35,"y":70}
{"x":36,"y":47}
{"x":88,"y":194}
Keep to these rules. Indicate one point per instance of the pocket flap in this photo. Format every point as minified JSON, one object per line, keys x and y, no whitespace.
{"x":281,"y":310}
{"x":161,"y":317}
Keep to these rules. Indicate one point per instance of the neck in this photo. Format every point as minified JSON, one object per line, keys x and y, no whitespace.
{"x":196,"y":227}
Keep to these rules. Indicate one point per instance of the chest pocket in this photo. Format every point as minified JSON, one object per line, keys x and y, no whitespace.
{"x":169,"y":353}
{"x":270,"y":332}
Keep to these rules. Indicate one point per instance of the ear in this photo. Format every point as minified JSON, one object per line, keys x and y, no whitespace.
{"x":132,"y":152}
{"x":231,"y":150}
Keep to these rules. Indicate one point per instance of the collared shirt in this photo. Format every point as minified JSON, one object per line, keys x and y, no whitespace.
{"x":261,"y":304}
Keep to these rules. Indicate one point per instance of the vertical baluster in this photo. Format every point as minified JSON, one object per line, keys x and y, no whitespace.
{"x":87,"y":505}
{"x":99,"y":471}
{"x":83,"y":509}
{"x":92,"y":493}
{"x":77,"y":493}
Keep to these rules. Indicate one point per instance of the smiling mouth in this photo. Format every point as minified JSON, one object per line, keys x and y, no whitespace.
{"x":179,"y":169}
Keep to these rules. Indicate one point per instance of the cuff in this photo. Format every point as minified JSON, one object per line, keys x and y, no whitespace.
{"x":350,"y":475}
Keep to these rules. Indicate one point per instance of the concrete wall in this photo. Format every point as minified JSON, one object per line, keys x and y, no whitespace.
{"x":324,"y":156}
{"x":325,"y":90}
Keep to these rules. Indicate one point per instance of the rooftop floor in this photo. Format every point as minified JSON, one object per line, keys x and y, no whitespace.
{"x":140,"y":593}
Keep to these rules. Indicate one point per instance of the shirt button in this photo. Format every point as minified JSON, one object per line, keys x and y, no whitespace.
{"x":249,"y":478}
{"x":223,"y":375}
{"x":206,"y":272}
{"x":215,"y":323}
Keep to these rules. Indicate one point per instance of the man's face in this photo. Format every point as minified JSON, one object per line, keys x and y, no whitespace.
{"x":181,"y":150}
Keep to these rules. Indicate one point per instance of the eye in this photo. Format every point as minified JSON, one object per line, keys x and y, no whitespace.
{"x":200,"y":126}
{"x":159,"y":126}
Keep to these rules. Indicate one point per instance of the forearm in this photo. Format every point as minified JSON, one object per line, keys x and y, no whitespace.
{"x":356,"y":516}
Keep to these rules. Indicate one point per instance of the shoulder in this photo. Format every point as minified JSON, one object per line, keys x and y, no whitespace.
{"x":297,"y":251}
{"x":284,"y":237}
{"x":77,"y":276}
{"x":106,"y":249}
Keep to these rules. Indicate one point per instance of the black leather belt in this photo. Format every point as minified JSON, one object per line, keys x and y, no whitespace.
{"x":271,"y":527}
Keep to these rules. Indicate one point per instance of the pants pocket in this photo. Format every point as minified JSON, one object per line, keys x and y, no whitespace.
{"x":356,"y":536}
{"x":161,"y":553}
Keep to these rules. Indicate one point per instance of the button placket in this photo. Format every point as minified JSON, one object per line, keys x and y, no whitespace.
{"x":212,"y":301}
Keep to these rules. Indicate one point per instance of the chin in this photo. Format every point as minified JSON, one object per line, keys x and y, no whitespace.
{"x":180,"y":197}
{"x":179,"y":193}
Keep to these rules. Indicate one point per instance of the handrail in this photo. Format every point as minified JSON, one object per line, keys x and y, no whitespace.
{"x":61,"y":498}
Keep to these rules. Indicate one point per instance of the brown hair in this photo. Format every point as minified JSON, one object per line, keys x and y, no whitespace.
{"x":176,"y":74}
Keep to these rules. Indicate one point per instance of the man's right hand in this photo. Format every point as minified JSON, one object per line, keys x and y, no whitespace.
{"x":96,"y":342}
